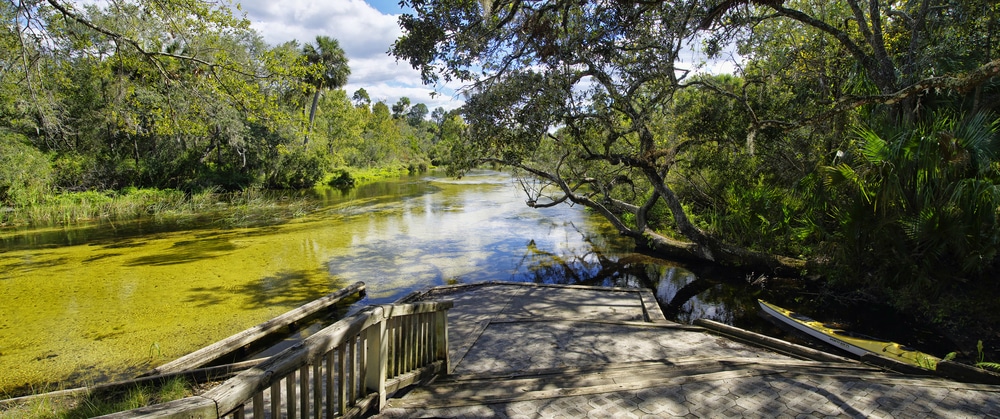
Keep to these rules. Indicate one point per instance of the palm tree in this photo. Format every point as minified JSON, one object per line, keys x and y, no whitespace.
{"x":330,"y":70}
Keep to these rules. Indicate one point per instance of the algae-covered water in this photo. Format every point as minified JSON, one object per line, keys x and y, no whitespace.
{"x":101,"y":302}
{"x":93,"y":303}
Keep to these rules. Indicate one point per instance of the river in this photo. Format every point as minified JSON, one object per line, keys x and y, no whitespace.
{"x":98,"y":302}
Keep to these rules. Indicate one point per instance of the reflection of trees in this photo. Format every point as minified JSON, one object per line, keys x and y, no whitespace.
{"x":589,"y":265}
{"x":672,"y":309}
{"x":683,"y":294}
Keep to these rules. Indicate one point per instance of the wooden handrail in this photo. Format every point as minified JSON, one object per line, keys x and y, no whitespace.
{"x":340,"y":371}
{"x":212,"y":352}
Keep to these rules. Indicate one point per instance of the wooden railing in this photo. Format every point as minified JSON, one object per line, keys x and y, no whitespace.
{"x":345,"y":370}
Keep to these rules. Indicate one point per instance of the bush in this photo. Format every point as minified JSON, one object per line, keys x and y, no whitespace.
{"x":296,"y":169}
{"x":918,"y":206}
{"x":341,"y":179}
{"x":25,"y":172}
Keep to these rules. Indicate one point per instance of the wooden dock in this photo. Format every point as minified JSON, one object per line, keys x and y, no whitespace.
{"x":523,"y":350}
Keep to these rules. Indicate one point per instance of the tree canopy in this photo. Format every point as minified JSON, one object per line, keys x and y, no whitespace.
{"x":178,"y":94}
{"x":794,"y":163}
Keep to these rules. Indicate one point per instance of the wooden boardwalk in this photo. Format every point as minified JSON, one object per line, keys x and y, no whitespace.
{"x":522,"y":350}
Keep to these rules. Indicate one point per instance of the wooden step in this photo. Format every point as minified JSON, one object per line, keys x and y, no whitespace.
{"x":564,"y":382}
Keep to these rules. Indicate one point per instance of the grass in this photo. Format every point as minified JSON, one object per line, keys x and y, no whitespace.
{"x":248,"y":207}
{"x":243,"y":208}
{"x":361,"y":176}
{"x":98,"y":403}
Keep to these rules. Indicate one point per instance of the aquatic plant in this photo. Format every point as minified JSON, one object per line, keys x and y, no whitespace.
{"x":97,"y":403}
{"x":982,"y":362}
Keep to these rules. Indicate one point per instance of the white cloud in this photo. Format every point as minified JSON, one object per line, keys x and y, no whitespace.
{"x":365,"y":34}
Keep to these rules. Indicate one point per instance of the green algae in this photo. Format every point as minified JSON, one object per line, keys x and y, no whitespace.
{"x":100,"y":307}
{"x":97,"y":312}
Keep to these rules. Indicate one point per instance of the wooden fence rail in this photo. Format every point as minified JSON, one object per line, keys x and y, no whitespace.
{"x":218,"y":349}
{"x":344,"y":370}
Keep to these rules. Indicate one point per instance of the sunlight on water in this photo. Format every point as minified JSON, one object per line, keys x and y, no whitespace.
{"x":104,"y":302}
{"x":90,"y":305}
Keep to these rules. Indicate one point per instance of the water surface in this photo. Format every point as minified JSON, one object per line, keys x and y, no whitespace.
{"x":104,"y":302}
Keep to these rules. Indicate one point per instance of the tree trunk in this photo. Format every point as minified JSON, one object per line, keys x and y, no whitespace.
{"x":312,"y":115}
{"x":722,"y":254}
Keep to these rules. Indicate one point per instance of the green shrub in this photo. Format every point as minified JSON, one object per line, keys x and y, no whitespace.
{"x":341,"y":178}
{"x":25,"y":172}
{"x":296,"y":169}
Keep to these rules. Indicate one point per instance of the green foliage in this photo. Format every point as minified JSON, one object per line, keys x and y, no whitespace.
{"x":295,"y":169}
{"x":919,"y":205}
{"x":981,"y":361}
{"x":25,"y":173}
{"x":174,"y":96}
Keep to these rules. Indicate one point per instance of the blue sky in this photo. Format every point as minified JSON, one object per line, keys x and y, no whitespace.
{"x":386,"y":6}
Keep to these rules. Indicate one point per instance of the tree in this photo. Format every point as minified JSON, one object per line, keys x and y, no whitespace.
{"x":401,"y":107}
{"x":416,"y":115}
{"x":918,"y":205}
{"x":380,"y":137}
{"x":905,"y":51}
{"x":361,"y":99}
{"x":342,"y":125}
{"x":604,"y":72}
{"x":329,"y":70}
{"x":25,"y":173}
{"x":161,"y":94}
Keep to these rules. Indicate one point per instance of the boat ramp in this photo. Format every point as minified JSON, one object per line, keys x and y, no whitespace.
{"x":511,"y":350}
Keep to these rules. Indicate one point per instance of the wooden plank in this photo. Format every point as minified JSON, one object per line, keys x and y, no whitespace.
{"x":421,"y":375}
{"x":342,"y":380}
{"x":447,"y":289}
{"x":247,"y":384}
{"x":613,"y":374}
{"x":331,"y":384}
{"x":651,"y":308}
{"x":290,"y":396}
{"x":435,"y":401}
{"x":304,"y":392}
{"x":417,"y":308}
{"x":966,"y":373}
{"x":218,"y":349}
{"x":362,"y":408}
{"x":352,"y":368}
{"x":441,"y":340}
{"x":258,"y":405}
{"x":770,"y":343}
{"x":677,"y":364}
{"x":275,"y":401}
{"x":377,"y":361}
{"x":317,"y":375}
{"x":242,"y":386}
{"x":668,"y":325}
{"x":189,"y":408}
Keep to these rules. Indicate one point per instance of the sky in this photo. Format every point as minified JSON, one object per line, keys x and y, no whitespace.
{"x":365,"y":30}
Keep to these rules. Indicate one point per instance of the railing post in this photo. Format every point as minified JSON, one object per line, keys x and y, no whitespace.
{"x":441,"y":339}
{"x":377,"y":356}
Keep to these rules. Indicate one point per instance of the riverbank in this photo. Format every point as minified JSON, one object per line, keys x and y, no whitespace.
{"x":232,"y":209}
{"x":105,"y":301}
{"x":113,"y":297}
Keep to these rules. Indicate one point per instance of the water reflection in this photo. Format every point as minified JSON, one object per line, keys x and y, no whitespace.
{"x":94,"y":298}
